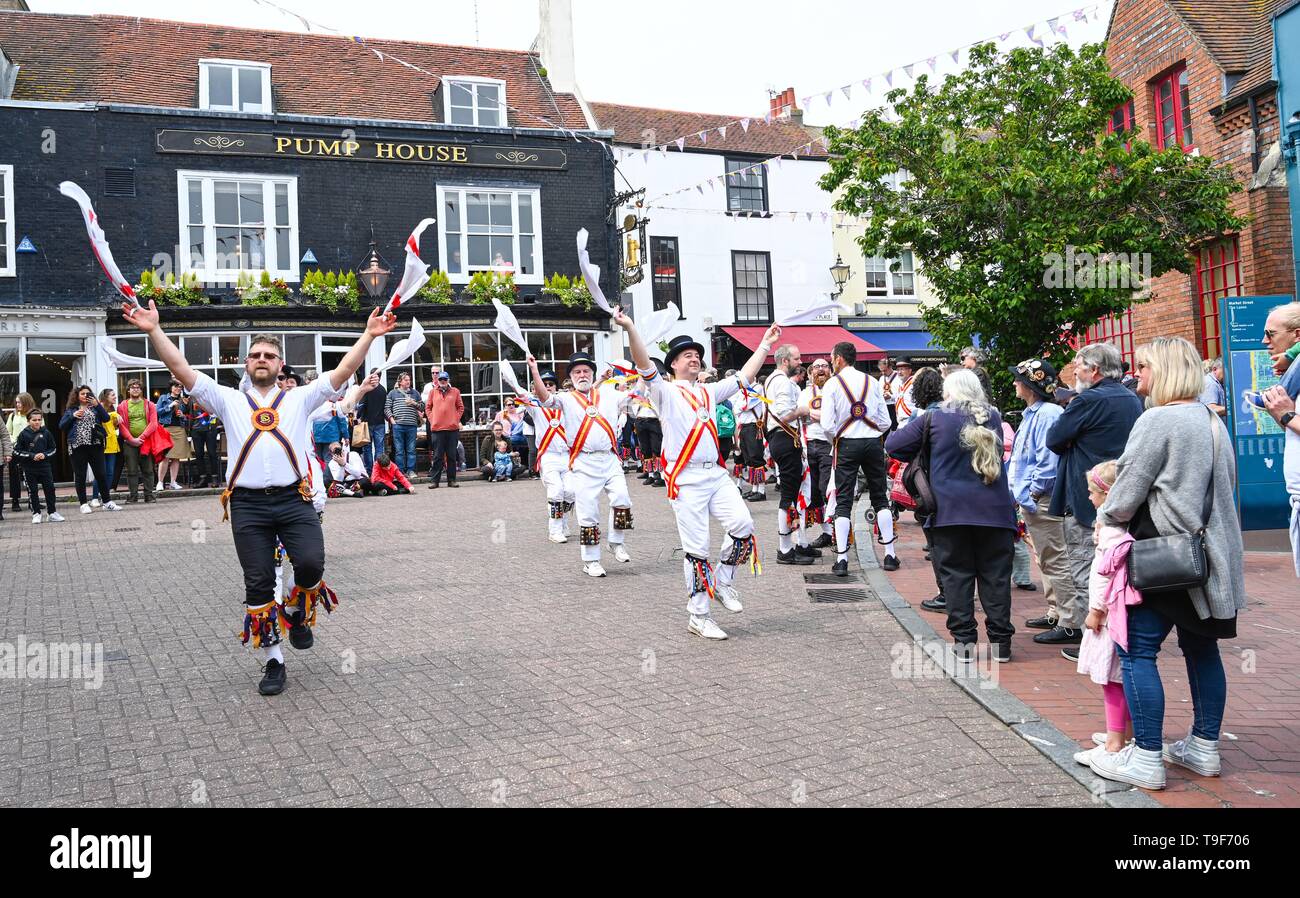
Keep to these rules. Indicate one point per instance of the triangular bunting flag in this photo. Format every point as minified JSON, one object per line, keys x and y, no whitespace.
{"x":1029,"y":32}
{"x":908,"y":69}
{"x":889,"y":78}
{"x":805,"y":102}
{"x":744,"y":125}
{"x":681,"y":144}
{"x":809,"y":214}
{"x":767,"y":119}
{"x":825,"y":215}
{"x":700,"y":188}
{"x":848,"y":91}
{"x":866,"y":83}
{"x":956,"y":55}
{"x":723,"y":132}
{"x":1051,"y":23}
{"x":1080,"y":16}
{"x":703,"y":136}
{"x":1003,"y":37}
{"x":827,"y":97}
{"x":645,"y":156}
{"x":931,"y":61}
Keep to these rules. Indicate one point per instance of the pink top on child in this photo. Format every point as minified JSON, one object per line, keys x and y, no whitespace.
{"x":1108,"y":591}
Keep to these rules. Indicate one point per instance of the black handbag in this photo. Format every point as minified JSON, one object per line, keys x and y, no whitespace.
{"x":916,"y":479}
{"x":1177,"y":562}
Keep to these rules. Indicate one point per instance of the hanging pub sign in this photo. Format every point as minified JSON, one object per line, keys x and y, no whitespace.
{"x":634,"y":249}
{"x":359,"y":149}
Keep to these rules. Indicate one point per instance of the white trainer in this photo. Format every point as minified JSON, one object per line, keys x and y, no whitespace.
{"x":727,"y":595}
{"x":558,"y":538}
{"x":593,"y":569}
{"x":704,"y":626}
{"x":56,"y":517}
{"x":36,"y":518}
{"x":1100,"y":739}
{"x":110,"y":505}
{"x":1136,"y":766}
{"x":94,"y":503}
{"x":174,"y":486}
{"x":620,"y":553}
{"x":1196,"y":754}
{"x":86,"y":509}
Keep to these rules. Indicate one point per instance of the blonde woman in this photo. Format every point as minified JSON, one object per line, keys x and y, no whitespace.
{"x":975,"y":525}
{"x":23,"y":405}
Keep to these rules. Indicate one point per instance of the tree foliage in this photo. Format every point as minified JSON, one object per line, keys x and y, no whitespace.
{"x":1006,"y":163}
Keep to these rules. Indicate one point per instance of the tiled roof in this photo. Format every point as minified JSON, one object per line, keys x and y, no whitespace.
{"x":117,"y":59}
{"x":630,"y":125}
{"x":1238,"y":34}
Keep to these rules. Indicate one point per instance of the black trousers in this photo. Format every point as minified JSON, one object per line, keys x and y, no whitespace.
{"x":725,"y":447}
{"x":789,"y":462}
{"x":650,"y":437}
{"x":751,"y":446}
{"x":865,"y":454}
{"x":965,"y":556}
{"x":15,"y":480}
{"x":207,"y":459}
{"x":94,"y":457}
{"x":40,"y":476}
{"x":820,"y":470}
{"x":442,"y":453}
{"x":258,"y":520}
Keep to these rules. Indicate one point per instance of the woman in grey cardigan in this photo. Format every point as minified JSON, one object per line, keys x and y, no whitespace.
{"x":1172,"y":452}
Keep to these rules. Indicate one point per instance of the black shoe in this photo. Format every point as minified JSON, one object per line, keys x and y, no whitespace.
{"x":300,"y":636}
{"x":756,"y":497}
{"x":453,"y":484}
{"x":149,"y":499}
{"x":1041,"y":623}
{"x":1027,"y":587}
{"x":822,"y":541}
{"x":938,"y":603}
{"x":643,"y":478}
{"x":792,"y":557}
{"x":1002,"y":652}
{"x":131,"y":500}
{"x":434,"y":485}
{"x":890,"y":563}
{"x":659,"y":482}
{"x":1071,"y":653}
{"x":839,"y":568}
{"x":274,"y":679}
{"x":1059,"y":635}
{"x":808,"y":551}
{"x":15,"y":507}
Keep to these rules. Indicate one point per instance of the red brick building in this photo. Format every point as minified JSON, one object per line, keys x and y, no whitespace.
{"x":1202,"y":78}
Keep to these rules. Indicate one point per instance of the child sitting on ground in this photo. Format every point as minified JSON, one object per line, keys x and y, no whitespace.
{"x":502,"y":464}
{"x":387,"y":478}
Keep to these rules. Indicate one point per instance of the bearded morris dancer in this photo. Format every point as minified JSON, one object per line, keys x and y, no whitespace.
{"x":786,"y":446}
{"x":268,"y":493}
{"x":590,"y":416}
{"x":553,"y":461}
{"x":818,"y":451}
{"x":753,"y":447}
{"x":698,"y":482}
{"x":854,"y":415}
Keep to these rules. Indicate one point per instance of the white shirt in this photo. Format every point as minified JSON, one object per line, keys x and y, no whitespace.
{"x":905,"y":408}
{"x":352,"y":469}
{"x":609,"y":402}
{"x":783,"y":398}
{"x":812,"y":397}
{"x":891,"y":386}
{"x":748,"y":410}
{"x":837,"y":406}
{"x":268,"y":464}
{"x":677,"y":418}
{"x":558,"y":445}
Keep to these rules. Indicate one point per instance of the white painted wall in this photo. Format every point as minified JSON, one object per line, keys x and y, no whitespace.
{"x":802,"y":251}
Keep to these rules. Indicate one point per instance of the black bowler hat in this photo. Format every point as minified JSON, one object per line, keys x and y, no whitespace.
{"x":678,"y":345}
{"x":1039,"y":375}
{"x":904,"y":360}
{"x":581,"y":358}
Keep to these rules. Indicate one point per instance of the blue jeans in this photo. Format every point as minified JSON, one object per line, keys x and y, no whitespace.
{"x":375,"y":447}
{"x":1147,"y":629}
{"x":503,"y":469}
{"x":110,"y":464}
{"x":404,"y":447}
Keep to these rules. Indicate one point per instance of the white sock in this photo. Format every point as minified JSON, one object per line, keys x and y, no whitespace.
{"x":787,"y":538}
{"x":885,"y":518}
{"x":842,"y":526}
{"x":828,"y":527}
{"x":801,"y":535}
{"x":273,"y":653}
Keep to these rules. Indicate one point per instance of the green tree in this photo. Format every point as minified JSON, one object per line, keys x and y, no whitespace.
{"x":1006,"y":164}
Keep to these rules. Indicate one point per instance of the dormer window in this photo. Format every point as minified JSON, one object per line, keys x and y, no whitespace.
{"x":474,"y":101}
{"x":228,"y":85}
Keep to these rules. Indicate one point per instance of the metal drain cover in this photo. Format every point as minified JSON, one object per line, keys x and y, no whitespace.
{"x":126,"y":529}
{"x":831,"y":578}
{"x":838,"y":596}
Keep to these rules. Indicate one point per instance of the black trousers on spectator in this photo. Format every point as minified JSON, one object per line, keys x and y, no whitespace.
{"x":789,"y":462}
{"x":258,"y":520}
{"x":819,"y":470}
{"x":865,"y":454}
{"x":207,"y":458}
{"x":442,"y":452}
{"x":751,"y":446}
{"x":965,"y":556}
{"x":40,"y":476}
{"x":15,"y":480}
{"x":94,"y":457}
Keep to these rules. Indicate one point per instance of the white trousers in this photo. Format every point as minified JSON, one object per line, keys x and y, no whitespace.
{"x":595,"y":473}
{"x":705,"y":493}
{"x":558,"y":481}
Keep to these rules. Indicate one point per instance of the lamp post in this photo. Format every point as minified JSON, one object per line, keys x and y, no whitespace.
{"x":373,"y":273}
{"x":840,"y":273}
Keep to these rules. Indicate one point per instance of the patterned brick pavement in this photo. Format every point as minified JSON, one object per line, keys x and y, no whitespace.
{"x":470,"y":664}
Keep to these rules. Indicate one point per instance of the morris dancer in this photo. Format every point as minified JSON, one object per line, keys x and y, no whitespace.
{"x":268,"y":487}
{"x":787,"y":451}
{"x":855,"y":416}
{"x":552,"y":461}
{"x":818,"y":451}
{"x":903,"y":402}
{"x":753,"y":462}
{"x":590,"y":416}
{"x":698,"y":481}
{"x":649,"y":434}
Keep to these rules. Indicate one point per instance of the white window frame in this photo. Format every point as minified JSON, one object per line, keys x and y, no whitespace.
{"x":266,"y":106}
{"x":9,"y":235}
{"x":538,"y":277}
{"x":474,"y":80}
{"x":209,"y":273}
{"x":890,"y":274}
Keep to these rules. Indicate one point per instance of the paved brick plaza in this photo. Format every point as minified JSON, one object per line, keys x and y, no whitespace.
{"x":485,"y":669}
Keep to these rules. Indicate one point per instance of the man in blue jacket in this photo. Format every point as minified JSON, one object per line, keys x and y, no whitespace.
{"x":1092,"y":429}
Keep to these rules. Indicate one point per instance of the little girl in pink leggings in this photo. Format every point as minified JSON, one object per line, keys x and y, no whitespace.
{"x":1109,"y":595}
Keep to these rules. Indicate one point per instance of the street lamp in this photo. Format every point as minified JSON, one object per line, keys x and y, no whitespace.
{"x":373,"y":273}
{"x":840,"y":272}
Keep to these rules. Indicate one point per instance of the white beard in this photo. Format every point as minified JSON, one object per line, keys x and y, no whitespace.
{"x":1080,"y":385}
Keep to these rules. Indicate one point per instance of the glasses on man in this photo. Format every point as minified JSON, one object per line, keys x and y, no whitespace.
{"x":268,"y":356}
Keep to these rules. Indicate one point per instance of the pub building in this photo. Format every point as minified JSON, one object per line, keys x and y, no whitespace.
{"x":220,"y":154}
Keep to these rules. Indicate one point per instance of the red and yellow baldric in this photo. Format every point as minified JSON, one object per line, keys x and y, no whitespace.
{"x":590,"y":415}
{"x":266,"y":419}
{"x":704,"y":421}
{"x":553,"y":429}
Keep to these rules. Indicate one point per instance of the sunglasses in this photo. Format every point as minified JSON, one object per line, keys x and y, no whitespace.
{"x":268,"y":356}
{"x":1270,"y":334}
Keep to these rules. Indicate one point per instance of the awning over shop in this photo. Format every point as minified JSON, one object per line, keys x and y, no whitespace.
{"x":813,"y":340}
{"x":904,"y":341}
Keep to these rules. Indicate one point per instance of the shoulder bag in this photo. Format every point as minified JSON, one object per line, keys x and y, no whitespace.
{"x":916,"y":479}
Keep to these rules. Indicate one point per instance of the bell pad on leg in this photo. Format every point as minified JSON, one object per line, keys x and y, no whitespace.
{"x":622,"y":518}
{"x":589,"y":536}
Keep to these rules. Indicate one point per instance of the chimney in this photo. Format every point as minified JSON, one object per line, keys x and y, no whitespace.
{"x":555,"y":44}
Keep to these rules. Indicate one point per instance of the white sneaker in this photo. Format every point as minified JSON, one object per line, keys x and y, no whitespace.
{"x":174,"y":486}
{"x":1084,"y":757}
{"x":593,"y":569}
{"x":704,"y":626}
{"x":730,"y":599}
{"x":558,"y":538}
{"x":110,"y":505}
{"x":86,"y":509}
{"x":36,"y":518}
{"x":159,"y":487}
{"x":56,"y":517}
{"x":1135,"y":766}
{"x":94,"y":503}
{"x":620,"y":553}
{"x":1196,"y":754}
{"x":1100,"y":739}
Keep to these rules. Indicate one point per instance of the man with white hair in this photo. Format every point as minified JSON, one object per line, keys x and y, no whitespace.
{"x":783,"y":441}
{"x":972,"y":357}
{"x":1282,"y":337}
{"x":1093,"y":428}
{"x":1213,"y":395}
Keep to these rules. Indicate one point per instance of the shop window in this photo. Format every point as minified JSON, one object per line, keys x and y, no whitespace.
{"x":474,"y":101}
{"x":1218,"y":274}
{"x":491,"y":230}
